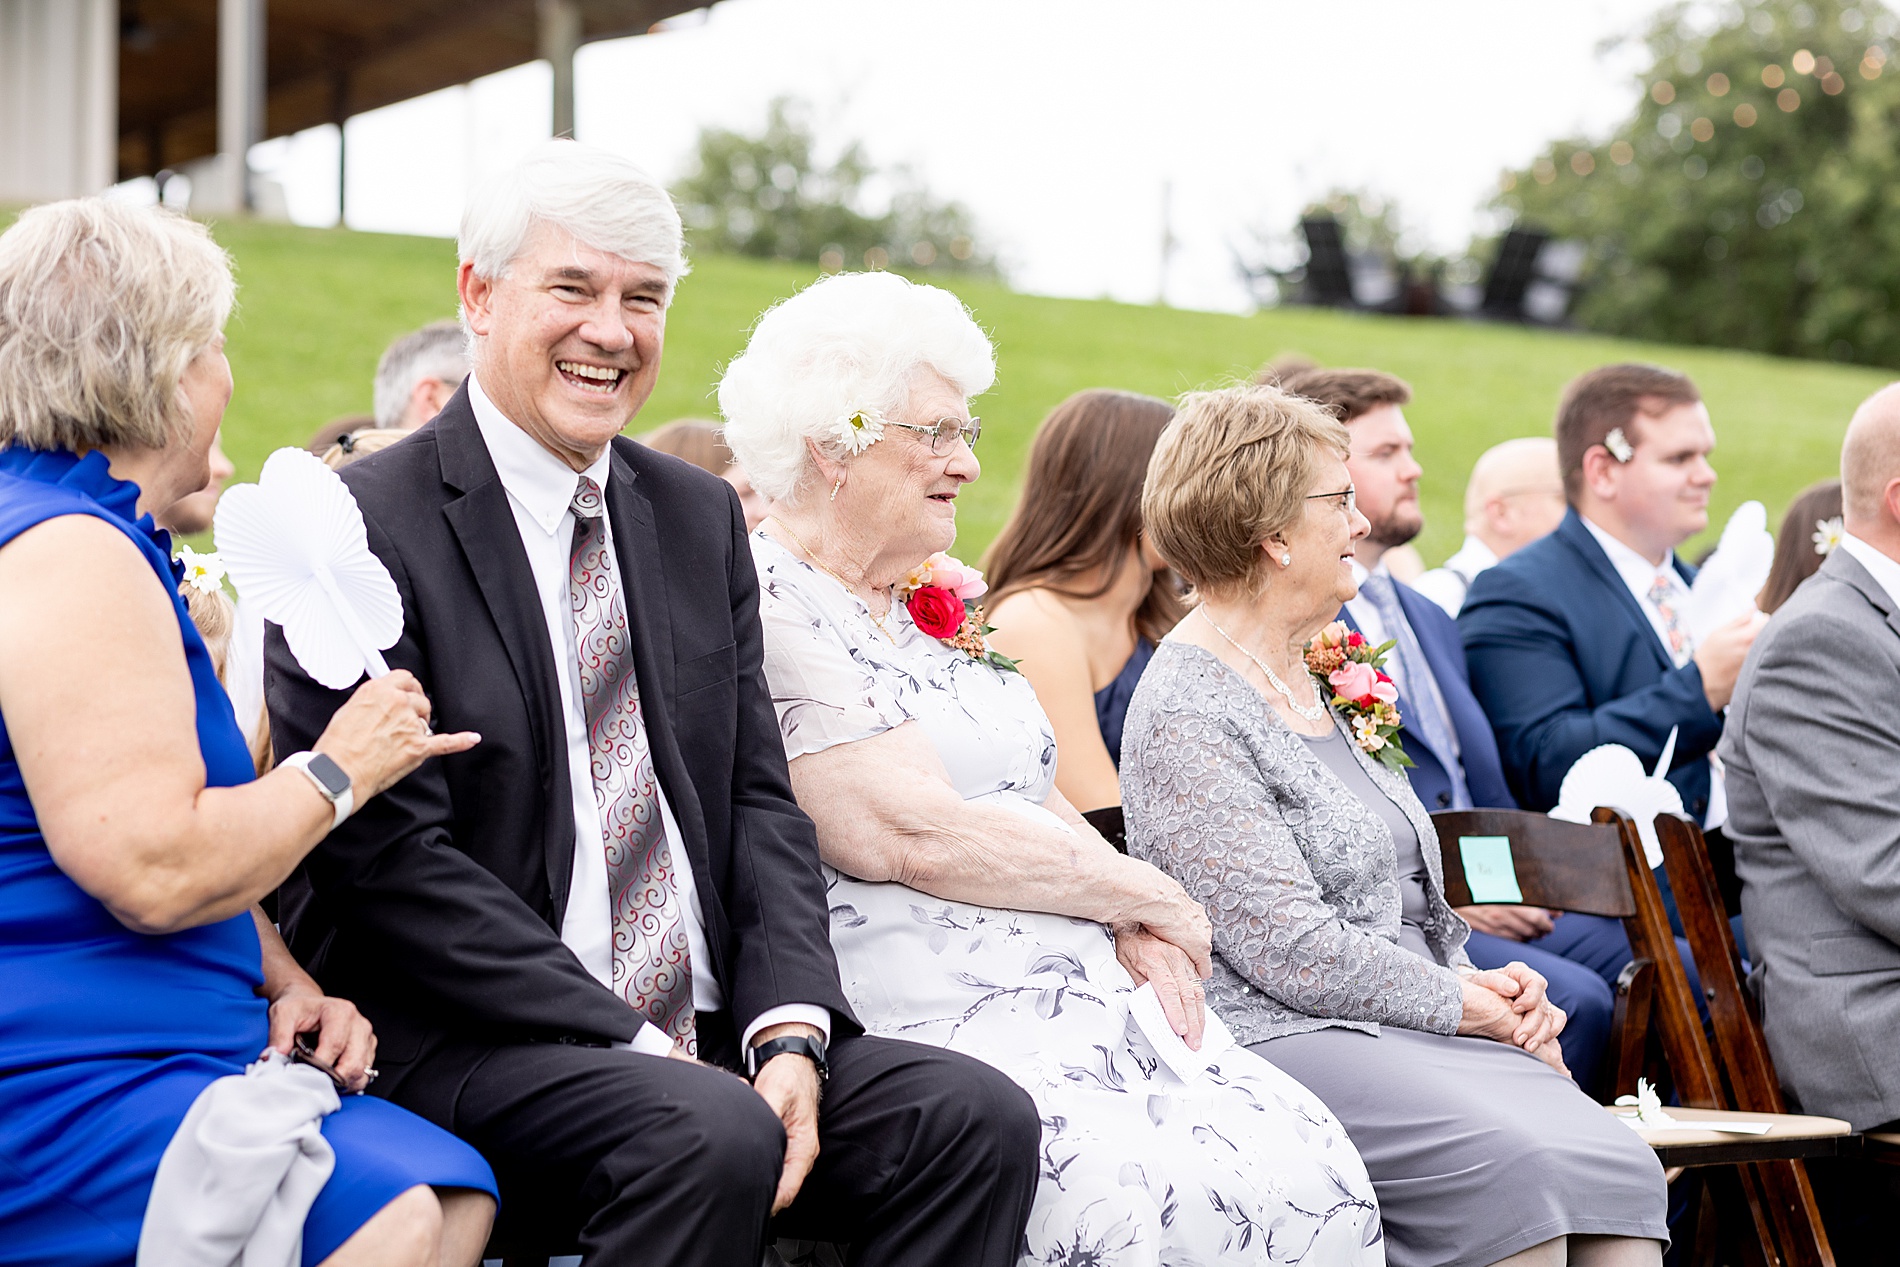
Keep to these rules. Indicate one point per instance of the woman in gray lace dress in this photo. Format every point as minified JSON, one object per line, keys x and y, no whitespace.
{"x":1336,"y":955}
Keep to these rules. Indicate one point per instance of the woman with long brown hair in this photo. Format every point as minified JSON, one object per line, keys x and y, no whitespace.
{"x":1810,"y":530}
{"x":1080,"y":599}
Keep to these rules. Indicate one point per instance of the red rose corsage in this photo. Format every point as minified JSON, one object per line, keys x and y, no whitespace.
{"x":941,"y":598}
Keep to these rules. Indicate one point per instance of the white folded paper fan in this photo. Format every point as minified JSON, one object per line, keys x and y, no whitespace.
{"x":1726,"y":587}
{"x":1613,"y":775}
{"x":296,"y":548}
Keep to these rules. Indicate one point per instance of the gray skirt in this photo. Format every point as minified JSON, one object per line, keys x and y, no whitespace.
{"x":1477,"y":1149}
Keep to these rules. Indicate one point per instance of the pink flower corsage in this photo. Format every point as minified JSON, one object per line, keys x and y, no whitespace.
{"x":1353,"y":668}
{"x":941,"y":597}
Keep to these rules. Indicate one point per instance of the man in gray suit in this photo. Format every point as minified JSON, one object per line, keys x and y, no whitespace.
{"x":1812,"y":749}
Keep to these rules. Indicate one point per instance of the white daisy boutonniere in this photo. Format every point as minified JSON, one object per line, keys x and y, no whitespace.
{"x":858,"y":430}
{"x":1827,"y":535}
{"x":203,"y":572}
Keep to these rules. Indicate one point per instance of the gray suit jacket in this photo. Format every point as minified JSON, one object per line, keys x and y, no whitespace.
{"x":1812,"y":749}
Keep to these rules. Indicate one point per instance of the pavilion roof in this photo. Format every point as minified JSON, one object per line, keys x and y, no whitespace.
{"x":325,"y":60}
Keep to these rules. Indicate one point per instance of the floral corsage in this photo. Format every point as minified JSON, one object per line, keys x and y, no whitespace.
{"x":1344,"y":661}
{"x":941,"y":598}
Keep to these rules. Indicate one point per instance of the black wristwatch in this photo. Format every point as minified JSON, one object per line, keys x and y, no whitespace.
{"x":798,"y":1044}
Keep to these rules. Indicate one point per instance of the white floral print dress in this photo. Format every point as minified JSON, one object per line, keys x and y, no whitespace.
{"x":1244,"y":1166}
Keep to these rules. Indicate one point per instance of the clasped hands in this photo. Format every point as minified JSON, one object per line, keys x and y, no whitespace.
{"x":1509,"y":1005}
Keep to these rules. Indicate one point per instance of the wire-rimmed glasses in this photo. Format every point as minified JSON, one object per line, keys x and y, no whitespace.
{"x":944,"y":431}
{"x":1350,"y":504}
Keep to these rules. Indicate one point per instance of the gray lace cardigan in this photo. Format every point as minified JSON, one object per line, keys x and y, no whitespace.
{"x":1298,"y":875}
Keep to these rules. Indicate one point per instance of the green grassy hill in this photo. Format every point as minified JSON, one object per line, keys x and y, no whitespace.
{"x":317,"y":306}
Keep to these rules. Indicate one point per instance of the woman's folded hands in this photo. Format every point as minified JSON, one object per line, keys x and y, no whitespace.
{"x":1509,"y":1005}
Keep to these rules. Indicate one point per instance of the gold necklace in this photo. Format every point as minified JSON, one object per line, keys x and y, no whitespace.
{"x":818,"y":563}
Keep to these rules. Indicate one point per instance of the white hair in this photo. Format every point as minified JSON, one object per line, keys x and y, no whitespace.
{"x":847,"y":342}
{"x":439,"y":350}
{"x":604,"y":200}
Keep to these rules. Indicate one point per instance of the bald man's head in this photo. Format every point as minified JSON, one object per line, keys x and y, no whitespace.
{"x":1870,"y":461}
{"x":1515,"y":494}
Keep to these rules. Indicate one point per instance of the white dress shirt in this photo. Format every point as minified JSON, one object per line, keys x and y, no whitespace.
{"x":541,"y":492}
{"x":1448,"y":585}
{"x":1885,"y":570}
{"x":1639,"y":574}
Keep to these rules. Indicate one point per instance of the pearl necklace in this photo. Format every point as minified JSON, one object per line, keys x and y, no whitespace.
{"x":819,"y":564}
{"x":1314,"y":713}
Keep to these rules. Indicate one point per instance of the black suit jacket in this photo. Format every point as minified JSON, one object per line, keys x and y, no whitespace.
{"x":437,"y":906}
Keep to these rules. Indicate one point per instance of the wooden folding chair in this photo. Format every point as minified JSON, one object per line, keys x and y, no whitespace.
{"x":1566,"y":867}
{"x":1600,"y":868}
{"x":1736,"y":1073}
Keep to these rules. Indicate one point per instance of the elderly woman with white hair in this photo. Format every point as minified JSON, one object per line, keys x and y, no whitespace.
{"x":135,"y":839}
{"x":971,"y":906}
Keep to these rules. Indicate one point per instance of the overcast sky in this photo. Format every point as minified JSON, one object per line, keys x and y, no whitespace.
{"x":1060,"y":123}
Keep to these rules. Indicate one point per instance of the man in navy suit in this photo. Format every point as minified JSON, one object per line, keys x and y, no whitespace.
{"x":1444,"y":731}
{"x":1578,"y":640}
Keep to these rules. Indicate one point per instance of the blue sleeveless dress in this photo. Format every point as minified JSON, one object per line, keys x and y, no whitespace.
{"x":106,"y":1035}
{"x":1111,"y":702}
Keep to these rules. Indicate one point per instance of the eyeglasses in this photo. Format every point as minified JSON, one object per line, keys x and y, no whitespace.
{"x":1349,"y":505}
{"x":944,"y":432}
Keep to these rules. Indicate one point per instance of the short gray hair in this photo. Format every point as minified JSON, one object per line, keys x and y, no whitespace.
{"x":438,"y":350}
{"x":604,"y":200}
{"x":847,"y":342}
{"x":103,"y":305}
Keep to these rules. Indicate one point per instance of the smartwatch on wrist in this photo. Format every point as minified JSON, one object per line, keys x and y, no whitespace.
{"x":329,"y":779}
{"x":798,"y":1044}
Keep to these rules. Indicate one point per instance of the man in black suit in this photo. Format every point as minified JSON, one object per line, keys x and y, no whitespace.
{"x":547,"y":929}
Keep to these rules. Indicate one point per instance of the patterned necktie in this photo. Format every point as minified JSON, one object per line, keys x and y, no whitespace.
{"x":1661,"y":597}
{"x":652,"y":970}
{"x":1424,"y":706}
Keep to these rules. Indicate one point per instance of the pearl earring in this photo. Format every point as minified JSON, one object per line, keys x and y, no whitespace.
{"x":836,"y":487}
{"x":1286,"y":560}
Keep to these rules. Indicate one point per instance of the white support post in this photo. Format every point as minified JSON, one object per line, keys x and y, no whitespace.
{"x":59,"y":98}
{"x":241,"y":26}
{"x":560,"y":39}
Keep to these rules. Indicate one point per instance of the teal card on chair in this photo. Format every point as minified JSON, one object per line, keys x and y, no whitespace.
{"x":1489,"y":872}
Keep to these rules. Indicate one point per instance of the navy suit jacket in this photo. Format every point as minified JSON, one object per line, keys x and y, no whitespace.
{"x":1445,"y":655}
{"x":1563,"y":659}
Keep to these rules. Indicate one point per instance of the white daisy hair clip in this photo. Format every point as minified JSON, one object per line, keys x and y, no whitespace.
{"x":1827,"y":535}
{"x":203,"y":572}
{"x":1619,"y":445}
{"x":858,"y":430}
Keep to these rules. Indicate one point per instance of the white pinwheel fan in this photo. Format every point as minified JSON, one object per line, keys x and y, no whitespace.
{"x":1613,"y":775}
{"x":296,"y":548}
{"x":1726,"y":587}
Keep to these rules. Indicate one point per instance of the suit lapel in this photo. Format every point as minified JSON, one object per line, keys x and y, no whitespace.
{"x":484,"y":525}
{"x":1573,"y":534}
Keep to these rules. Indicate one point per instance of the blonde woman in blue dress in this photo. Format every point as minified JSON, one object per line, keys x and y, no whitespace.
{"x":971,"y":907}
